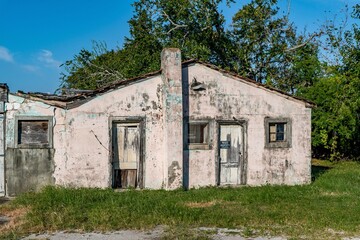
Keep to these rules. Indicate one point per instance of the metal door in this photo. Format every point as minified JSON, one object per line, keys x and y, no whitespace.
{"x":126,"y":157}
{"x":231,"y":149}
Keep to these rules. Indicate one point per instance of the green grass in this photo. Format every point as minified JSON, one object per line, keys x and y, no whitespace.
{"x":327,"y":208}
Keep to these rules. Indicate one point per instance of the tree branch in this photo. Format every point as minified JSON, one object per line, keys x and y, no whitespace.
{"x":173,"y":23}
{"x":304,"y":43}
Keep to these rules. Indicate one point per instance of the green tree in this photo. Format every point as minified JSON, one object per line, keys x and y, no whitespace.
{"x":91,"y":69}
{"x":140,"y":54}
{"x":336,"y":120}
{"x":261,"y":45}
{"x":196,"y":27}
{"x":268,"y":49}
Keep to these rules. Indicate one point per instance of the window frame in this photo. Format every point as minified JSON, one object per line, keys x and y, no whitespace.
{"x":198,"y":146}
{"x":49,"y":119}
{"x":286,"y":143}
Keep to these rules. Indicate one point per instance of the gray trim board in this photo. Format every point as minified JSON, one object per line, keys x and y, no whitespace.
{"x":288,"y":134}
{"x":34,"y":118}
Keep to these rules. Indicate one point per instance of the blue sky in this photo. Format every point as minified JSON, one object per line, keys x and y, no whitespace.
{"x":36,"y":36}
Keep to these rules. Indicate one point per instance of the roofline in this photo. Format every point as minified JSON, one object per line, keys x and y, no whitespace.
{"x":251,"y":81}
{"x":68,"y":102}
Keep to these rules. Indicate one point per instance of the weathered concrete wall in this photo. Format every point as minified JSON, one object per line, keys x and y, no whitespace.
{"x":2,"y":154}
{"x":173,"y":116}
{"x":82,"y":142}
{"x":82,"y":136}
{"x":28,"y":170}
{"x":226,"y":98}
{"x":21,"y":107}
{"x":4,"y":90}
{"x":83,"y":157}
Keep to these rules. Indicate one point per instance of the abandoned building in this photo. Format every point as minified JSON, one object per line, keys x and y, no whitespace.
{"x":189,"y":124}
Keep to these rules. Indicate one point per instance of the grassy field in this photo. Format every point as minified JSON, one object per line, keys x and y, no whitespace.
{"x":327,"y":208}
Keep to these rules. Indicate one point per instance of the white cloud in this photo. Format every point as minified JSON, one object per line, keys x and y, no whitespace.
{"x":46,"y":57}
{"x":31,"y":68}
{"x":5,"y":54}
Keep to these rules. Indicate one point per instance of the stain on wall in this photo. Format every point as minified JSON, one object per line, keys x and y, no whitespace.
{"x":82,"y":135}
{"x":226,"y":98}
{"x":28,"y":170}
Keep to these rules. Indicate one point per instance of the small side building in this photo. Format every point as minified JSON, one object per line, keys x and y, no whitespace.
{"x":189,"y":124}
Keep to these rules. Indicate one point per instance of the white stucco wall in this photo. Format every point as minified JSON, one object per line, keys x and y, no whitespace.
{"x":84,"y":160}
{"x":226,"y":98}
{"x":21,"y":107}
{"x":82,"y":135}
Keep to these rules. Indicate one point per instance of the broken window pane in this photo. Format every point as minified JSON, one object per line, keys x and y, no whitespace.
{"x":33,"y":132}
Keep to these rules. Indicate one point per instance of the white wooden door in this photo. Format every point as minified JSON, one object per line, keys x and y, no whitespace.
{"x":126,"y":147}
{"x":231,"y":154}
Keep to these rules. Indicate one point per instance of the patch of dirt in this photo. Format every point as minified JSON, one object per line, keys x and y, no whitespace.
{"x":202,"y":204}
{"x":334,"y":194}
{"x":14,"y":218}
{"x":118,"y":235}
{"x":335,"y":233}
{"x":160,"y":232}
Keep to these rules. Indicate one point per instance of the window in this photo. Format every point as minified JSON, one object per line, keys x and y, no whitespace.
{"x":34,"y":132}
{"x":278,"y":133}
{"x":198,"y":135}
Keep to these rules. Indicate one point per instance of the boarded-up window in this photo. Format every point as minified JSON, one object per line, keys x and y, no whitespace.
{"x":198,"y":133}
{"x":33,"y":132}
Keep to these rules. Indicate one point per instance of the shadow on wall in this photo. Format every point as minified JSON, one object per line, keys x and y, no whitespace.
{"x":186,"y":119}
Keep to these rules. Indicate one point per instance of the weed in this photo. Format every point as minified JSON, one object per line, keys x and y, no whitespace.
{"x":331,"y":202}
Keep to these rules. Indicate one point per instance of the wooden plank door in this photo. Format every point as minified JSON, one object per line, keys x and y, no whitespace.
{"x":231,"y":154}
{"x":126,"y":147}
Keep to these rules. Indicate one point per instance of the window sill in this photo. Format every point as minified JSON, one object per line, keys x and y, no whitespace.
{"x":29,"y":146}
{"x":198,"y":147}
{"x":277,"y":145}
